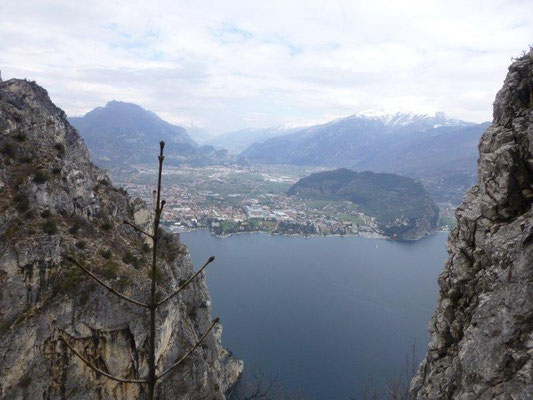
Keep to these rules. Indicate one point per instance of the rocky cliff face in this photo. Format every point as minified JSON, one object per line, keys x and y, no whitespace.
{"x":53,"y":202}
{"x":481,"y":344}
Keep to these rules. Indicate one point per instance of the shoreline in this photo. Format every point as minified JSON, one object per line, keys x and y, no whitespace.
{"x":364,"y":236}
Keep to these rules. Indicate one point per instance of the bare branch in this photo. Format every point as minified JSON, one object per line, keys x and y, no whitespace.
{"x":190,"y":351}
{"x":71,"y":259}
{"x":137,"y":228}
{"x":209,"y":261}
{"x":98,"y":370}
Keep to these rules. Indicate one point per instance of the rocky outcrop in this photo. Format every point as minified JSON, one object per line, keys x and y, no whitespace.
{"x":481,"y":336}
{"x":53,"y":202}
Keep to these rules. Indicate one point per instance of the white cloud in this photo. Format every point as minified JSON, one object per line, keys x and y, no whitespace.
{"x":226,"y":65}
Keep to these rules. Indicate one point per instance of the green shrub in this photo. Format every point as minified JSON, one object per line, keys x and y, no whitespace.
{"x":128,"y":258}
{"x":110,"y":270}
{"x":56,"y":170}
{"x":107,"y":226}
{"x":26,"y":159}
{"x":50,"y":227}
{"x":159,"y":276}
{"x":20,"y":137}
{"x":40,"y":177}
{"x":22,"y":202}
{"x":70,"y":281}
{"x":60,"y":149}
{"x":192,"y":313}
{"x":146,"y":248}
{"x":46,"y":213}
{"x":8,"y":149}
{"x":81,"y":245}
{"x":106,"y":254}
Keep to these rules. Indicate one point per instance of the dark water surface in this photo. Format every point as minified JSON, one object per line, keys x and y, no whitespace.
{"x":327,"y":315}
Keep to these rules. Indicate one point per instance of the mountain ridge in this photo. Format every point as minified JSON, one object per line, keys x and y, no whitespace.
{"x":368,"y":143}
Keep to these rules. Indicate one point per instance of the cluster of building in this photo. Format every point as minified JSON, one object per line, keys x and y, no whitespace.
{"x":250,"y":210}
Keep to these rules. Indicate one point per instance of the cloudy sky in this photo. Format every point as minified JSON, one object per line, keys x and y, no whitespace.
{"x":226,"y":65}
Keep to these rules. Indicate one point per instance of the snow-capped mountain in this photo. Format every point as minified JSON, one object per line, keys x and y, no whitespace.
{"x":437,"y":119}
{"x":430,"y":146}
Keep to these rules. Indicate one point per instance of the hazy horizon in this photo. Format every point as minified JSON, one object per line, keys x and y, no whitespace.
{"x":227,"y":66}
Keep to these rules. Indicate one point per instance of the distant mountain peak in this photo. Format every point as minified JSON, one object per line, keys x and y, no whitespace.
{"x":404,"y":118}
{"x":118,"y":103}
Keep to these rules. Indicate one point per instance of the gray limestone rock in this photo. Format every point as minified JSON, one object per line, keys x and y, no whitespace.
{"x":481,"y":335}
{"x":53,"y":202}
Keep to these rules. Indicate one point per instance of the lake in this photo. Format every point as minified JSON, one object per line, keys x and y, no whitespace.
{"x":328,"y":316}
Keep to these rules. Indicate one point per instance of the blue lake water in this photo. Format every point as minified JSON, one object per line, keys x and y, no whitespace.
{"x":328,"y":316}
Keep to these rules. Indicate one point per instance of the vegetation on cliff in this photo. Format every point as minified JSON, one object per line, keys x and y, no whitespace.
{"x":401,"y":205}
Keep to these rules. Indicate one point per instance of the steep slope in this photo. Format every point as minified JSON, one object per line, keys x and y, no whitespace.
{"x":401,"y":206}
{"x":444,"y":160}
{"x":122,"y":134}
{"x":481,"y":335}
{"x":397,"y":143}
{"x":346,"y":141}
{"x":55,"y":202}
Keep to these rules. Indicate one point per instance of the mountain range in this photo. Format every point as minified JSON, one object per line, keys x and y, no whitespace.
{"x":439,"y":150}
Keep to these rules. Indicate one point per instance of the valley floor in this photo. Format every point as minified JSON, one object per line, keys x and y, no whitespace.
{"x":242,"y":199}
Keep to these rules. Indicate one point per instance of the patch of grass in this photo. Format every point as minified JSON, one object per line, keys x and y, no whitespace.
{"x":451,"y":222}
{"x":110,"y":270}
{"x":40,"y":177}
{"x":50,"y":227}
